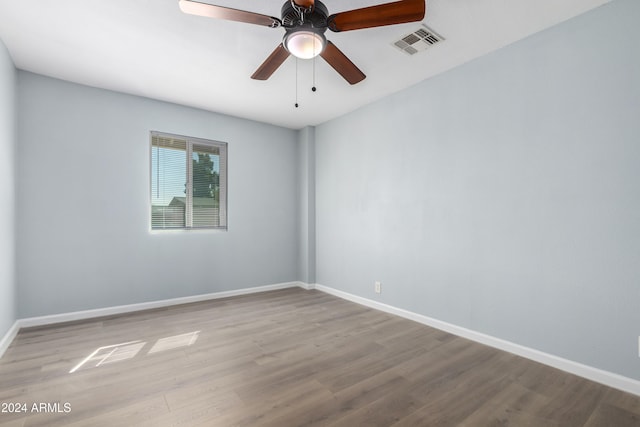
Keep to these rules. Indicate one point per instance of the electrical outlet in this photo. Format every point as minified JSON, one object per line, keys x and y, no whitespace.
{"x":378,"y":287}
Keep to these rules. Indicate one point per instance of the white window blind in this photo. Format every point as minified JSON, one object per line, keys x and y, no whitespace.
{"x":188,"y":182}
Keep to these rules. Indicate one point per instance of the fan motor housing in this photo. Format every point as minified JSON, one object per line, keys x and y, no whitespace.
{"x":316,"y":19}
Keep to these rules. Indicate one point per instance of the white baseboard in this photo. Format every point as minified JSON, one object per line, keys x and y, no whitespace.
{"x":121,"y":309}
{"x":7,"y":339}
{"x":610,"y":379}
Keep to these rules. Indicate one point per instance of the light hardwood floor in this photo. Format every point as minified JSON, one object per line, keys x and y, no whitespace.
{"x":286,"y":358}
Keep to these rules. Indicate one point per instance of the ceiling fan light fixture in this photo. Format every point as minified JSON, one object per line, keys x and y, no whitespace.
{"x":305,"y":44}
{"x":306,"y":21}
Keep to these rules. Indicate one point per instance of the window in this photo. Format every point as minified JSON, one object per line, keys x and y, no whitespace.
{"x":188,"y":182}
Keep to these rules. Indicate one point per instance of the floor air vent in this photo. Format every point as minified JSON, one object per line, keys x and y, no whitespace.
{"x":421,"y":39}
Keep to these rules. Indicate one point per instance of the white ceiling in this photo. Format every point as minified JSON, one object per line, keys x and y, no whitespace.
{"x":150,"y":48}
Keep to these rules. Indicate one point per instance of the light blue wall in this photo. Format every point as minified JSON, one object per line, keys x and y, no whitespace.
{"x":83,"y":202}
{"x":7,"y":190}
{"x":502,"y":196}
{"x":307,"y":200}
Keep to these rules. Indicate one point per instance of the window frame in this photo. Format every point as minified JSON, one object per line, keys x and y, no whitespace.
{"x":190,"y":142}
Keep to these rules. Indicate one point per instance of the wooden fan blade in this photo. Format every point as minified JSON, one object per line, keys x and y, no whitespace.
{"x":305,"y":4}
{"x":271,"y":64}
{"x":397,"y":12}
{"x":219,"y":12}
{"x":342,"y":64}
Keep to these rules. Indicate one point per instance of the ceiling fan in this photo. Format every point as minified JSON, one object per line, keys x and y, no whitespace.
{"x":306,"y":21}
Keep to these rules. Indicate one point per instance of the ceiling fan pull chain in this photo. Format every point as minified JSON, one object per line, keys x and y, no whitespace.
{"x":313,"y":87}
{"x":296,"y":82}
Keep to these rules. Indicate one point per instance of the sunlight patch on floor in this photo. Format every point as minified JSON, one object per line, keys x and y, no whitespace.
{"x":128,"y":350}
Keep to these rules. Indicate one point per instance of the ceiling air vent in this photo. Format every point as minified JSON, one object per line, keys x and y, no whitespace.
{"x":421,"y":39}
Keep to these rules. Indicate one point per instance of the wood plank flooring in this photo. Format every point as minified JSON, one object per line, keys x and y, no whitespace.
{"x":285,"y":358}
